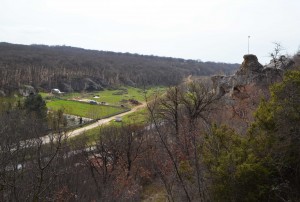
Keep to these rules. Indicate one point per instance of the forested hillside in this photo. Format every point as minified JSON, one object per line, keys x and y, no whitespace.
{"x":233,"y":139}
{"x":76,"y":69}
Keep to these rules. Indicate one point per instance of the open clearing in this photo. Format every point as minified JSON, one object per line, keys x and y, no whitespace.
{"x":116,"y":97}
{"x":84,"y":109}
{"x":112,"y":99}
{"x":137,"y":116}
{"x":94,"y":127}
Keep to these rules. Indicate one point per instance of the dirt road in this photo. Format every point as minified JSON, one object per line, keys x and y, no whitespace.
{"x":76,"y":132}
{"x":102,"y":122}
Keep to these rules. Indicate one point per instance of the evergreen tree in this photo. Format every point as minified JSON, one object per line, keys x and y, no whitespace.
{"x":34,"y":104}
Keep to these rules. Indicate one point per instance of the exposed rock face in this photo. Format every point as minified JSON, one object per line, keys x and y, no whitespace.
{"x":250,"y":65}
{"x":282,"y":63}
{"x":2,"y":93}
{"x":86,"y":84}
{"x":241,"y":93}
{"x":27,"y":90}
{"x":252,"y":72}
{"x":80,"y":84}
{"x":65,"y":87}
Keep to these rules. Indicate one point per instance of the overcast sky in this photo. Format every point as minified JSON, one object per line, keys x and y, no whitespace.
{"x":210,"y":30}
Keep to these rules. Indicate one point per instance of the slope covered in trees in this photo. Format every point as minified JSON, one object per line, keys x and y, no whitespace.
{"x":180,"y":153}
{"x":184,"y":154}
{"x":76,"y":69}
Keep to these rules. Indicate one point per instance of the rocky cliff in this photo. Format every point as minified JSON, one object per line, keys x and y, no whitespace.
{"x":241,"y":93}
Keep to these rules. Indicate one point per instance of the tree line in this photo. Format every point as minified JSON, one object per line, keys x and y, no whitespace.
{"x":70,"y":68}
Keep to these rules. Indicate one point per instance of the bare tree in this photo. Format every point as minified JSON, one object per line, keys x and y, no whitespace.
{"x":28,"y":166}
{"x":276,"y":54}
{"x":186,"y":109}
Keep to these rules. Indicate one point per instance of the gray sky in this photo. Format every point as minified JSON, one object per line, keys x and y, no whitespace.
{"x":210,"y":30}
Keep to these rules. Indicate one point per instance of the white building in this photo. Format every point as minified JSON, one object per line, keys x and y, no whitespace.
{"x":56,"y":91}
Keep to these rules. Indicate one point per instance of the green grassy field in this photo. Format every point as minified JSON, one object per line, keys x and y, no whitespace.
{"x":116,"y":96}
{"x":84,"y":109}
{"x":113,"y":97}
{"x":138,"y":117}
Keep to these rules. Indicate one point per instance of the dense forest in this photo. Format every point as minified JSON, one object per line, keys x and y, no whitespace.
{"x":76,"y":69}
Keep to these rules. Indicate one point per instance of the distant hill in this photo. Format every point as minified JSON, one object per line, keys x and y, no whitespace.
{"x":77,"y":69}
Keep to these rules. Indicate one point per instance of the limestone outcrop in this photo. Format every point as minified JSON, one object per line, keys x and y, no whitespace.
{"x":27,"y":90}
{"x":251,"y":72}
{"x":241,"y":93}
{"x":81,"y":84}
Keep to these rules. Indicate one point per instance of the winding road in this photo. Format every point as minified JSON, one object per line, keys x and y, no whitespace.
{"x":79,"y":131}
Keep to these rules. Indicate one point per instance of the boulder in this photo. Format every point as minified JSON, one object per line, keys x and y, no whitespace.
{"x":27,"y":90}
{"x":86,"y":84}
{"x":282,"y":62}
{"x":250,"y":65}
{"x":65,"y":87}
{"x":2,"y":93}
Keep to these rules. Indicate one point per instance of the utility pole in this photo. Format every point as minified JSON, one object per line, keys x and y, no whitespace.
{"x":248,"y":44}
